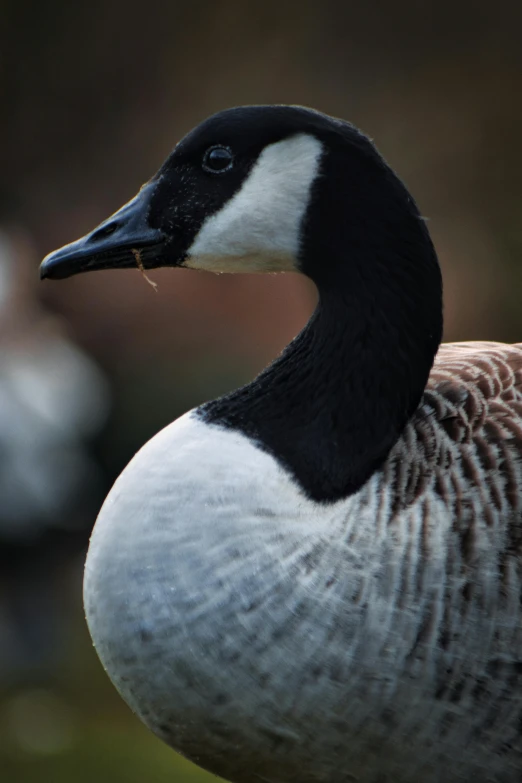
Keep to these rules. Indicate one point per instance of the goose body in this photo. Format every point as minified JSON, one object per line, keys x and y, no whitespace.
{"x":317,"y":577}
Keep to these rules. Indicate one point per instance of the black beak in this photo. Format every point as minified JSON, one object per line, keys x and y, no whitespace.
{"x":122,"y":241}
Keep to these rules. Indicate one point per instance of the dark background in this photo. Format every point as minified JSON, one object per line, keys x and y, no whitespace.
{"x":93,"y":95}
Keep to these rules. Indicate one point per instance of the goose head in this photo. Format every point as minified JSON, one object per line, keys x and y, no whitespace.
{"x":264,"y":189}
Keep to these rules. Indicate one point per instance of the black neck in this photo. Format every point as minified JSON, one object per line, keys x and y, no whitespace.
{"x":332,"y":406}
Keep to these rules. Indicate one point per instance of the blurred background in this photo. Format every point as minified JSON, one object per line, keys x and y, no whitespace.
{"x":93,"y":96}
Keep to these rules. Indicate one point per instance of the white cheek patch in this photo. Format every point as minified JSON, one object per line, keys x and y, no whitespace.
{"x":258,"y":229}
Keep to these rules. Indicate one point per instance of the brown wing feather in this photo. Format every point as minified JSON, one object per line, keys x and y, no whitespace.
{"x":476,"y":389}
{"x":455,"y":477}
{"x":467,"y":434}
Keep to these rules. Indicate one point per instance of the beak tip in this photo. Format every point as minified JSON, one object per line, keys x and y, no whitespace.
{"x":43,"y":271}
{"x":52,"y":269}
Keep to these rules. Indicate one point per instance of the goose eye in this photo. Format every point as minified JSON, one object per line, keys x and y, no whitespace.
{"x":217,"y":160}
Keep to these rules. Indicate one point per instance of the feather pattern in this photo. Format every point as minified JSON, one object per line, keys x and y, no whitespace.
{"x":450,"y":495}
{"x":390,"y":618}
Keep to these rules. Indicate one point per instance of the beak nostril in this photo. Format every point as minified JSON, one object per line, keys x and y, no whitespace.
{"x":104,"y":231}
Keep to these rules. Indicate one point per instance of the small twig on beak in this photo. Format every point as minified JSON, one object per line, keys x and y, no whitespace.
{"x":139,"y":264}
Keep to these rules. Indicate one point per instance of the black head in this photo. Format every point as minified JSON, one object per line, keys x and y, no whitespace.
{"x":236,"y":194}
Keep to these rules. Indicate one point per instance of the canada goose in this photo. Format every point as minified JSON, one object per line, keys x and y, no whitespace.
{"x":318,"y":576}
